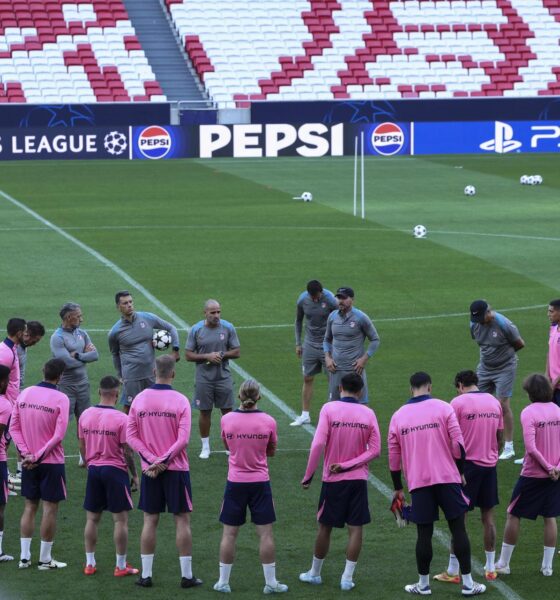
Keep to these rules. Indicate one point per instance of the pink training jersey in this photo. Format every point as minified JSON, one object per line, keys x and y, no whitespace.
{"x":103,"y":429}
{"x":553,"y":359}
{"x":349,"y":435}
{"x":540,"y":422}
{"x":39,"y":422}
{"x":159,"y":427}
{"x":5,"y":414}
{"x":424,"y":437}
{"x":9,"y":358}
{"x":480,"y":417}
{"x":247,"y":435}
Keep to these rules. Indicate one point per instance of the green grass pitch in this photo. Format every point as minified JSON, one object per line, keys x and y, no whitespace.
{"x":190,"y":230}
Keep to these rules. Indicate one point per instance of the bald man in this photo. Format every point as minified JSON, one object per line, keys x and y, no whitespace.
{"x":211,"y":343}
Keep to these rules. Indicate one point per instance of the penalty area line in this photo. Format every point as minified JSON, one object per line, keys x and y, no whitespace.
{"x":383,"y":489}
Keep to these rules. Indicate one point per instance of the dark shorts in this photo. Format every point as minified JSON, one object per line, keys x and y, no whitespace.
{"x":426,"y":501}
{"x":131,"y":389}
{"x":344,"y":502}
{"x":312,"y":360}
{"x":45,"y":482}
{"x":107,"y":488}
{"x":3,"y":483}
{"x":533,"y":497}
{"x":256,"y":496}
{"x":78,"y":394}
{"x":334,"y":382}
{"x":213,"y":394}
{"x":482,"y":485}
{"x":168,"y":492}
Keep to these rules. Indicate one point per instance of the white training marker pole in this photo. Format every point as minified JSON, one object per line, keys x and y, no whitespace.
{"x":363,"y":183}
{"x":355,"y":174}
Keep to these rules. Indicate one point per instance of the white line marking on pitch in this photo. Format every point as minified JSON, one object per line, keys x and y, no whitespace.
{"x":383,"y":489}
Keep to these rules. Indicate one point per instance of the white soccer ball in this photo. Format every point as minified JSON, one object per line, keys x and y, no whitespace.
{"x":531,"y":180}
{"x":419,"y":231}
{"x":307,"y":196}
{"x":524,"y":179}
{"x":470,"y":190}
{"x":115,"y":143}
{"x":161,"y":339}
{"x":538,"y":179}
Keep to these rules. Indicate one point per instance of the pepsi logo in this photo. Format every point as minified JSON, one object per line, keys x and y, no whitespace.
{"x":154,"y":142}
{"x":387,"y":139}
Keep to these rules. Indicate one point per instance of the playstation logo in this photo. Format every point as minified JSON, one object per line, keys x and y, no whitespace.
{"x":503,"y":140}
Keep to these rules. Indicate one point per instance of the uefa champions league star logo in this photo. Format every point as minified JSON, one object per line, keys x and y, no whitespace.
{"x":115,"y":143}
{"x":503,"y":141}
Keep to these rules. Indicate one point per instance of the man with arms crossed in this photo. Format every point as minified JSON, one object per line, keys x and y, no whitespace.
{"x":73,"y":345}
{"x":131,"y":344}
{"x":499,"y":340}
{"x":102,"y":438}
{"x":159,"y":427}
{"x":425,"y":438}
{"x":5,"y":414}
{"x":315,"y":305}
{"x":348,"y":434}
{"x":38,"y":426}
{"x":480,"y":418}
{"x":553,"y":358}
{"x":211,"y":343}
{"x":347,"y":329}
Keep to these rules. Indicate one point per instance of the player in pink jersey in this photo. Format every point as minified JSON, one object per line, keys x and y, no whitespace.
{"x":537,"y":491}
{"x":5,"y":414}
{"x":425,"y":439}
{"x":250,"y":436}
{"x":38,"y":426}
{"x":553,"y":358}
{"x":481,"y":421}
{"x":158,"y":428}
{"x":102,"y":436}
{"x":348,"y":434}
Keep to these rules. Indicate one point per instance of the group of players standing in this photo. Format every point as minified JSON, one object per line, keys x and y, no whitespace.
{"x":448,"y":452}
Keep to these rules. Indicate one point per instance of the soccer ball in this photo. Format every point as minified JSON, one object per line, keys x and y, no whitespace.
{"x":419,"y":231}
{"x":161,"y":339}
{"x":524,"y":179}
{"x":538,"y":179}
{"x":531,"y":180}
{"x":307,"y":196}
{"x":470,"y":190}
{"x":115,"y":143}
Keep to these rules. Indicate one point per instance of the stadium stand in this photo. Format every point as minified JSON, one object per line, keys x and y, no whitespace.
{"x":366,"y":49}
{"x":62,"y":52}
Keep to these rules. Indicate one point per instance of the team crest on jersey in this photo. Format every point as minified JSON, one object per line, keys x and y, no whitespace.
{"x":222,"y":336}
{"x":494,"y":334}
{"x":142,"y":324}
{"x":323,"y":305}
{"x":352,"y":323}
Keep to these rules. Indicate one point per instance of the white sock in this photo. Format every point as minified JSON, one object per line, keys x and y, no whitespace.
{"x":121,"y":561}
{"x":19,"y":466}
{"x":147,"y":564}
{"x":316,"y":566}
{"x":349,"y":570}
{"x":505,"y":554}
{"x":25,"y":548}
{"x":1,"y":537}
{"x":305,"y":414}
{"x":90,"y":559}
{"x":186,"y":566}
{"x":205,"y":443}
{"x":45,"y":553}
{"x":453,"y":566}
{"x":270,"y":574}
{"x":490,"y":561}
{"x":467,"y":580}
{"x":508,"y":446}
{"x":225,"y":572}
{"x":424,"y":581}
{"x":548,"y":555}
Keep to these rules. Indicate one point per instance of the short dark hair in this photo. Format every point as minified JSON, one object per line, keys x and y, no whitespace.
{"x":538,"y":388}
{"x":53,"y":369}
{"x":314,"y":287}
{"x":165,"y":365}
{"x":417,"y":380}
{"x":15,"y":325}
{"x":466,"y":378}
{"x":68,"y":307}
{"x":120,"y":295}
{"x":555,"y":303}
{"x":352,"y":382}
{"x":108,"y":383}
{"x":35,"y":328}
